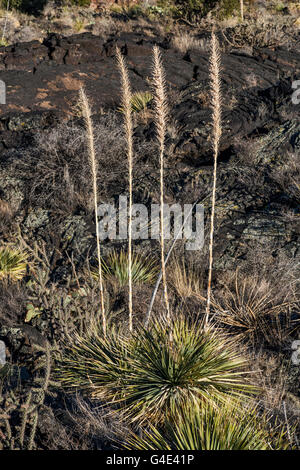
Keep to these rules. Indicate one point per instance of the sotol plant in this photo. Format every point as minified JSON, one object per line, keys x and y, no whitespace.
{"x":212,"y":428}
{"x":87,"y":115}
{"x":140,"y":101}
{"x":115,"y":268}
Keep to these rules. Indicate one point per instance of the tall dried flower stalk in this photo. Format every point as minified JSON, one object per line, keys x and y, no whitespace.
{"x":126,"y":107}
{"x":86,"y":111}
{"x":161,"y":115}
{"x":242,"y":9}
{"x":216,"y":102}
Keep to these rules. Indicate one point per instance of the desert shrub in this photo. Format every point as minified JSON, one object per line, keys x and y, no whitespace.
{"x":55,"y":171}
{"x":261,"y":33}
{"x":227,"y":8}
{"x":155,"y":372}
{"x":13,"y":4}
{"x":188,"y":8}
{"x":212,"y":428}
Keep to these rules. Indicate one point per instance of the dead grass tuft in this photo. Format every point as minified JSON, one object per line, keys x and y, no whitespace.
{"x":250,"y":307}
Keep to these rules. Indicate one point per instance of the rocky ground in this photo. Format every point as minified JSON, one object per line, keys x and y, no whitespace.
{"x":45,"y":194}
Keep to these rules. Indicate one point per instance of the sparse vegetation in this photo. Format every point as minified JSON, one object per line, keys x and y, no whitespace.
{"x":143,"y":344}
{"x":186,"y":42}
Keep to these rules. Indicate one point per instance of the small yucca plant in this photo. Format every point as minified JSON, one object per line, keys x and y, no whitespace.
{"x":115,"y":268}
{"x":212,"y":428}
{"x":154,"y":373}
{"x":139,"y":101}
{"x":13,"y":264}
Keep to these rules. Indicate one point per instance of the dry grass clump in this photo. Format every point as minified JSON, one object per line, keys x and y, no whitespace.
{"x":278,"y":381}
{"x":272,"y":377}
{"x":56,"y":175}
{"x":106,"y":25}
{"x":250,"y":307}
{"x":186,"y":279}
